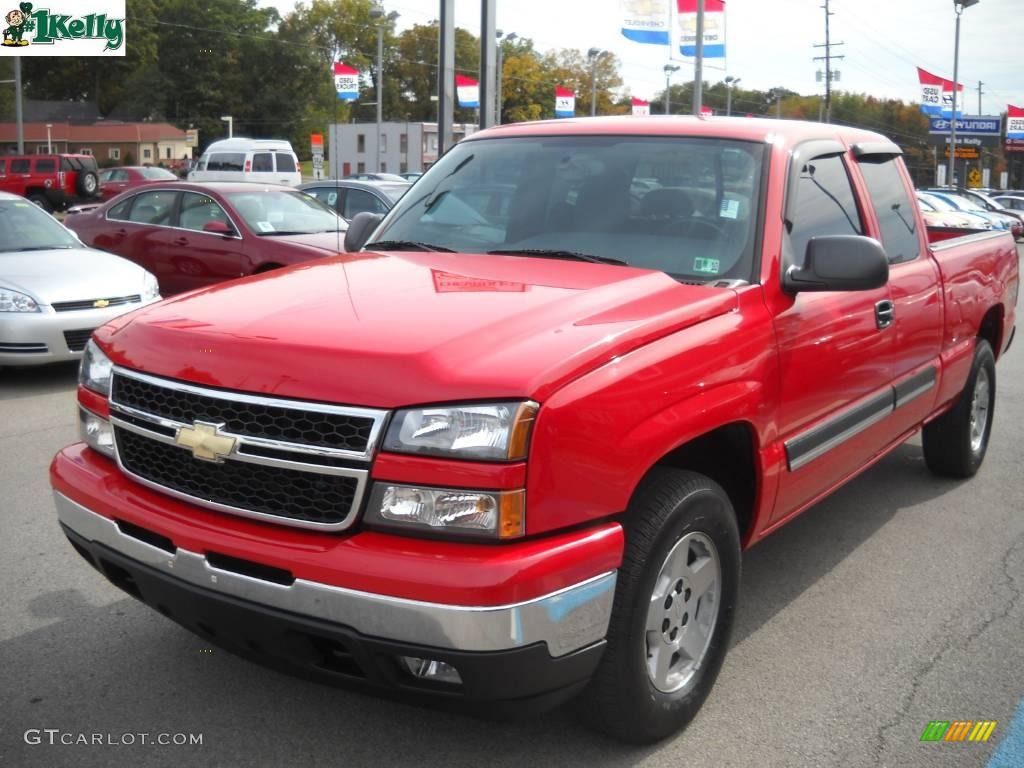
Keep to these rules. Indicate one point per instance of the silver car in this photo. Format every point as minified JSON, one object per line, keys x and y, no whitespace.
{"x":54,"y":291}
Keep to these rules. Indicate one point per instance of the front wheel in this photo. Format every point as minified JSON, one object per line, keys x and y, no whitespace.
{"x":41,"y":201}
{"x":956,"y":442}
{"x":673,"y":610}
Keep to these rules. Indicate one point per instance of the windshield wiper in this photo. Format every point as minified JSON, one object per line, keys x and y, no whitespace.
{"x":556,"y":253}
{"x":405,"y":245}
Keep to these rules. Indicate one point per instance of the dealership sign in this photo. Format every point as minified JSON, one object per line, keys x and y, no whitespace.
{"x":63,"y":28}
{"x":967,"y":126}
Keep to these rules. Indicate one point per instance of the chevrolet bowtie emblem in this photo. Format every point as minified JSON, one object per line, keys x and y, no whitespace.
{"x":206,"y":441}
{"x":101,"y":303}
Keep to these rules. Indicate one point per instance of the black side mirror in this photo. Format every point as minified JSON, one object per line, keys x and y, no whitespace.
{"x":839,"y":263}
{"x":360,"y":229}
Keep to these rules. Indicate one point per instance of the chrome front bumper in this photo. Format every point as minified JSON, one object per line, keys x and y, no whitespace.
{"x":566,"y":620}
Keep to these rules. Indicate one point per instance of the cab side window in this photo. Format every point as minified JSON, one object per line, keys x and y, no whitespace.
{"x":120,"y":211}
{"x":895,"y":212}
{"x":226,"y":161}
{"x":359,"y":201}
{"x":198,"y":210}
{"x":49,"y":165}
{"x":825,"y":205}
{"x":19,"y":166}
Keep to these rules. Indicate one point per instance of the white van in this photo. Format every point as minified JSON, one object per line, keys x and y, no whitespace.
{"x":270,"y":161}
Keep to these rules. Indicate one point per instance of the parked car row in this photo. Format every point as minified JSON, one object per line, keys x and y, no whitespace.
{"x":948,"y":211}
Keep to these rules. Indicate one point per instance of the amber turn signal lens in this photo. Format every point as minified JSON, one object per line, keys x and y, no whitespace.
{"x":522,"y":428}
{"x":512,"y":515}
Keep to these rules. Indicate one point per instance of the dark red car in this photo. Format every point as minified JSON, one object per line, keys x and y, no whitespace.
{"x":114,"y":181}
{"x":194,"y":235}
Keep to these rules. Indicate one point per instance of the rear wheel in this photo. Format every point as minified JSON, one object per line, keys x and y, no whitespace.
{"x":42,"y":201}
{"x":673,"y":611}
{"x":88,"y":184}
{"x":956,"y":442}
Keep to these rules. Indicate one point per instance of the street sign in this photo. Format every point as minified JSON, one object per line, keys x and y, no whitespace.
{"x":316,"y":145}
{"x":974,"y":178}
{"x":192,"y":137}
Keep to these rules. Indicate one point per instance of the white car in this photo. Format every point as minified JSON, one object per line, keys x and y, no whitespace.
{"x":268,"y":161}
{"x":54,"y":291}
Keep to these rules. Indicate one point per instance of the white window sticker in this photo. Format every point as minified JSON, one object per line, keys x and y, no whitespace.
{"x":730,"y":209}
{"x":264,"y":226}
{"x":708,"y":266}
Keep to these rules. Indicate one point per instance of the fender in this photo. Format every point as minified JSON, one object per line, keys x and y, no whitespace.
{"x":598,"y":436}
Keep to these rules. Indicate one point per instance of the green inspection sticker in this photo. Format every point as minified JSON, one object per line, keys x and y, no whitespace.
{"x":709,"y":266}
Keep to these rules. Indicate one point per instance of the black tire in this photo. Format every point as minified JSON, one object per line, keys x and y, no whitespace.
{"x":950,"y":447}
{"x":622,"y":699}
{"x":38,"y":198}
{"x":87,"y":184}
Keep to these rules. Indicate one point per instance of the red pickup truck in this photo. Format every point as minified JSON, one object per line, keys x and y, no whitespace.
{"x":511,"y":450}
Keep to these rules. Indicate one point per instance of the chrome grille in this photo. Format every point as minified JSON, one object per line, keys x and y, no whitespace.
{"x":114,"y":301}
{"x":287,"y":464}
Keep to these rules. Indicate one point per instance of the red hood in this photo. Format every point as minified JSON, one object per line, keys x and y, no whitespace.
{"x":400,"y":329}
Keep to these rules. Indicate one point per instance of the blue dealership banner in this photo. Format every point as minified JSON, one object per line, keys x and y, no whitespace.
{"x":979,"y":125}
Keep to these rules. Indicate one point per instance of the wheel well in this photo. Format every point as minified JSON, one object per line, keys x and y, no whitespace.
{"x":991,"y":329}
{"x":726,"y":455}
{"x":266,"y":268}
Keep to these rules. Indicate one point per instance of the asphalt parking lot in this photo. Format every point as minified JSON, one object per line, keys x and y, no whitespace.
{"x":895,"y":602}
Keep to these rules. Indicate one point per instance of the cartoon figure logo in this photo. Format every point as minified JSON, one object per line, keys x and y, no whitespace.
{"x":20,"y":22}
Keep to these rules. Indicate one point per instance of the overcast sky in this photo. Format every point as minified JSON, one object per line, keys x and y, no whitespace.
{"x":770,"y":42}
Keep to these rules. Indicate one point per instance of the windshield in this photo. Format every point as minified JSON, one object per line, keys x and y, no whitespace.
{"x":963,"y":203}
{"x":276,"y":212}
{"x":158,"y":174}
{"x":24,"y":227}
{"x":938,"y":203}
{"x":685,"y":206}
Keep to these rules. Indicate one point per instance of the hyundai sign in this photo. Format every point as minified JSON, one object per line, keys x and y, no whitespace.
{"x":983,"y":125}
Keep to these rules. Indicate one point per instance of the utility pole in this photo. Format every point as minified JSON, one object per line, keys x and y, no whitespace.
{"x":445,"y":77}
{"x":488,"y":63}
{"x":17,"y":106}
{"x":979,"y":97}
{"x":698,"y":63}
{"x":827,"y":58}
{"x":594,"y":55}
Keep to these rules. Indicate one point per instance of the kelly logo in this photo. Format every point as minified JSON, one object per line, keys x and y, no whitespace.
{"x":958,"y":730}
{"x":99,"y":31}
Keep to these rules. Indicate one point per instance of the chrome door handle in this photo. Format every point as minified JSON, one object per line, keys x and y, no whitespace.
{"x":885,"y":313}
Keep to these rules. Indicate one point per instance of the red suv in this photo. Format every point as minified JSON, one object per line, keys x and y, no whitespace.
{"x":53,"y":182}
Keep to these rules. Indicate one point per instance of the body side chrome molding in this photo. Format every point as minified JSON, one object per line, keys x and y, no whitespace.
{"x":849,"y":422}
{"x":565,"y":620}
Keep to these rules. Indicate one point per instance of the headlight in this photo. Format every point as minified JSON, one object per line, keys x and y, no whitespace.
{"x":491,"y":514}
{"x":495,"y":432}
{"x":150,"y":287}
{"x":96,"y":370}
{"x":96,"y":432}
{"x":13,"y":301}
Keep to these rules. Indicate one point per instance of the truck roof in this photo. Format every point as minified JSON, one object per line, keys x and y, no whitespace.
{"x":790,"y":132}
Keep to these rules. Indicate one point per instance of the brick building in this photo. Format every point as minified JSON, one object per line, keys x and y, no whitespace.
{"x":110,"y":142}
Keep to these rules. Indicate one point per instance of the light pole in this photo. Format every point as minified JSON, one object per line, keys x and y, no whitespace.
{"x":49,"y":144}
{"x":231,"y":124}
{"x":669,"y":69}
{"x":595,"y":55}
{"x":508,"y":38}
{"x":958,"y":7}
{"x":730,"y":83}
{"x":382,"y":18}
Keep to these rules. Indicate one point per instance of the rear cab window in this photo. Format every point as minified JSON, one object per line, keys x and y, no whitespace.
{"x":48,"y":165}
{"x":892,"y":205}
